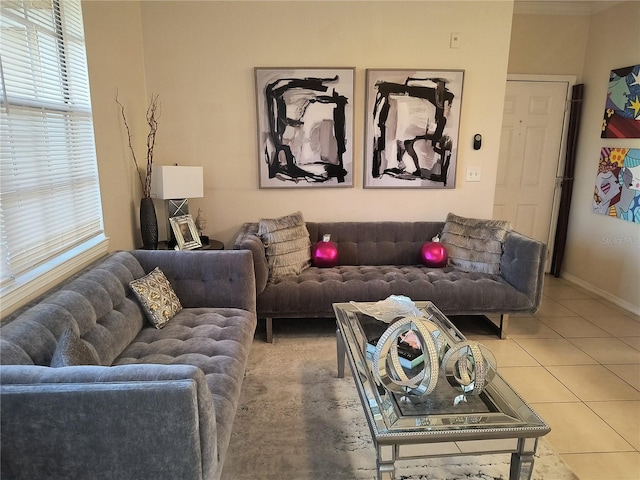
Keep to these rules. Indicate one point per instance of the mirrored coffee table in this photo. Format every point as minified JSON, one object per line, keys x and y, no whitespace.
{"x":497,"y":420}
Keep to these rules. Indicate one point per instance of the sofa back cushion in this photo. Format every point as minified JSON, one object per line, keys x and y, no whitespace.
{"x":98,"y":305}
{"x":376,"y":243}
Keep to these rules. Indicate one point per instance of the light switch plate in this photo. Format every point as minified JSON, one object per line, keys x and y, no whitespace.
{"x":473,"y":174}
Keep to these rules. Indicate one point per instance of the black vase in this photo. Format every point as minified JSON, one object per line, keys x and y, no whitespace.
{"x":148,"y":224}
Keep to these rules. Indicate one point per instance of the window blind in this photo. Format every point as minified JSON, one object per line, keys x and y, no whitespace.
{"x":49,"y":192}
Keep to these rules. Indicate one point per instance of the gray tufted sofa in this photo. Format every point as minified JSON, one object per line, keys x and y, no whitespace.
{"x":379,"y":259}
{"x":162,"y":403}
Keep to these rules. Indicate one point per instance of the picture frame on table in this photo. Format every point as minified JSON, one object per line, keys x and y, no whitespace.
{"x":305,"y":127}
{"x":185,"y":231}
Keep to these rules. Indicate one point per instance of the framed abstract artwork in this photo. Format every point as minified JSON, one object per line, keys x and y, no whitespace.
{"x":622,"y":107}
{"x":305,"y":127}
{"x":412,"y":123}
{"x":617,"y":187}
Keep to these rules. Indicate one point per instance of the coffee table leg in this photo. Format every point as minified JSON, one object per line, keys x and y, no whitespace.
{"x":341,"y":353}
{"x":385,"y":462}
{"x":522,"y":462}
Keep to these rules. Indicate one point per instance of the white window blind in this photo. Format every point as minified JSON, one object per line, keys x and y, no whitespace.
{"x":49,"y":196}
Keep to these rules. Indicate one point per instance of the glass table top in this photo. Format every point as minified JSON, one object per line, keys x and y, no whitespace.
{"x":497,"y":412}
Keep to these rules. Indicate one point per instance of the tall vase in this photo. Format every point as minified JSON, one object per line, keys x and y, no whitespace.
{"x":148,"y":224}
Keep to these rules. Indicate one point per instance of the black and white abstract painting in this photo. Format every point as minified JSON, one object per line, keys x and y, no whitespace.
{"x":412,"y":125}
{"x":305,"y":127}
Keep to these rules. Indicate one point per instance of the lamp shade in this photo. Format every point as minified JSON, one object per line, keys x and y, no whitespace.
{"x":169,"y":182}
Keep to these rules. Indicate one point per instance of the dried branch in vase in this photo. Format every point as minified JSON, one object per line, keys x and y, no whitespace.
{"x":153,"y":114}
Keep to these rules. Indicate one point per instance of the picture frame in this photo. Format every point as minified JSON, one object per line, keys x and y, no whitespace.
{"x":412,"y":127}
{"x":305,"y":126}
{"x":184,"y":229}
{"x":621,"y":119}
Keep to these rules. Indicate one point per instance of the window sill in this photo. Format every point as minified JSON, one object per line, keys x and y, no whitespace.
{"x":28,"y":286}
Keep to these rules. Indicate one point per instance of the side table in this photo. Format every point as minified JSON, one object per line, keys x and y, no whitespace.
{"x":212,"y":245}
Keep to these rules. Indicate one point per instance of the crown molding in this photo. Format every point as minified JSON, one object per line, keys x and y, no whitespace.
{"x":563,"y":7}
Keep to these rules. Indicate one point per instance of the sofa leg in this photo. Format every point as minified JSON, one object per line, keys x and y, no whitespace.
{"x":504,"y":322}
{"x":269,"y":330}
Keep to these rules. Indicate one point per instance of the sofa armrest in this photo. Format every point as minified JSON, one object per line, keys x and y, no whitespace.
{"x":248,"y":239}
{"x":209,"y":278}
{"x":522,"y":265}
{"x":135,"y":421}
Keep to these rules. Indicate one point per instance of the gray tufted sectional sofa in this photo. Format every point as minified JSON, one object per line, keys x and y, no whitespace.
{"x":379,"y":259}
{"x":161,"y":404}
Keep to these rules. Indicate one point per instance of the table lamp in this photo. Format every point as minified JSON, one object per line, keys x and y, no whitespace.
{"x":177,"y":184}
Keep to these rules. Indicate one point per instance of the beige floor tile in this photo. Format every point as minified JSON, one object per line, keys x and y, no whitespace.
{"x":530,"y":327}
{"x":575,"y":428}
{"x":632,"y":341}
{"x":590,"y":307}
{"x":607,"y":350}
{"x":622,"y":417}
{"x":628,"y":373}
{"x":616,"y":325}
{"x":537,"y":385}
{"x":508,"y":353}
{"x":552,"y":308}
{"x":554,"y":351}
{"x":605,"y":466}
{"x":594,"y":383}
{"x":564,"y":292}
{"x":570,"y":327}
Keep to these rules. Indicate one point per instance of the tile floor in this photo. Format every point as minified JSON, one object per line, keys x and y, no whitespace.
{"x":577,"y":362}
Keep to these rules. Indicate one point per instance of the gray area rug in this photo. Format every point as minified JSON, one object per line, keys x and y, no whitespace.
{"x":297,"y":420}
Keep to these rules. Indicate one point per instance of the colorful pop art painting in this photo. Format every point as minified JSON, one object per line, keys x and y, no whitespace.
{"x":617,"y":188}
{"x":622,"y":108}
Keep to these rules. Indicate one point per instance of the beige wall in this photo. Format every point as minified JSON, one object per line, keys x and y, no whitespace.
{"x":549,"y":44}
{"x":116,"y":65}
{"x":604,"y":253}
{"x":199,"y":57}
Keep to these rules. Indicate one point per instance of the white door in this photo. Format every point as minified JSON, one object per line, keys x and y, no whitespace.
{"x":530,"y":154}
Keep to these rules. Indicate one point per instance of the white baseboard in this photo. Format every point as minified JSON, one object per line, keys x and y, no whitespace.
{"x":635,"y":309}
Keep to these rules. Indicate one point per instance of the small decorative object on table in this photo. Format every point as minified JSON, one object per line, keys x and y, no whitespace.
{"x":201,"y":224}
{"x":325,"y":253}
{"x":408,"y":355}
{"x":185,"y":232}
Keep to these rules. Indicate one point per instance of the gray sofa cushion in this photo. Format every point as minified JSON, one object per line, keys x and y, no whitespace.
{"x":473,"y":244}
{"x":217,"y":340}
{"x":71,"y":350}
{"x":312,"y":293}
{"x":95,"y":304}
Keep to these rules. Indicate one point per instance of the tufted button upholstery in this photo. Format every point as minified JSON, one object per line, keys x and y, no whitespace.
{"x":312,"y":293}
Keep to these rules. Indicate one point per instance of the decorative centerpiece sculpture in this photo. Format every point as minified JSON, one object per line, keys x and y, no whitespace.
{"x":467,"y":366}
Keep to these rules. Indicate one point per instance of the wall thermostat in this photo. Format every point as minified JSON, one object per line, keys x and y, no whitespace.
{"x":477,"y":141}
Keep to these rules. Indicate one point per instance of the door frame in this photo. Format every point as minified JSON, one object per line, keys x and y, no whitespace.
{"x":570,"y":81}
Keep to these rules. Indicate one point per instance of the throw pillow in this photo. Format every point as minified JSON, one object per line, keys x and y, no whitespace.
{"x":473,"y":244}
{"x":71,"y":350}
{"x":287,"y":245}
{"x":157,"y":298}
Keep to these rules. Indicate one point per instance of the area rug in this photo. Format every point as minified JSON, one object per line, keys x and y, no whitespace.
{"x":297,"y":420}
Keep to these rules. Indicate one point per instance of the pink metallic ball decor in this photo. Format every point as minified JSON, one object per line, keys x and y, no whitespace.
{"x":434,"y":254}
{"x":324,"y":253}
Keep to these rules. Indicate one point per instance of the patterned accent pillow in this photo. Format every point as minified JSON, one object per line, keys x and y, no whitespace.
{"x":157,"y":298}
{"x":71,"y":350}
{"x":474,"y":245}
{"x":287,"y":245}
